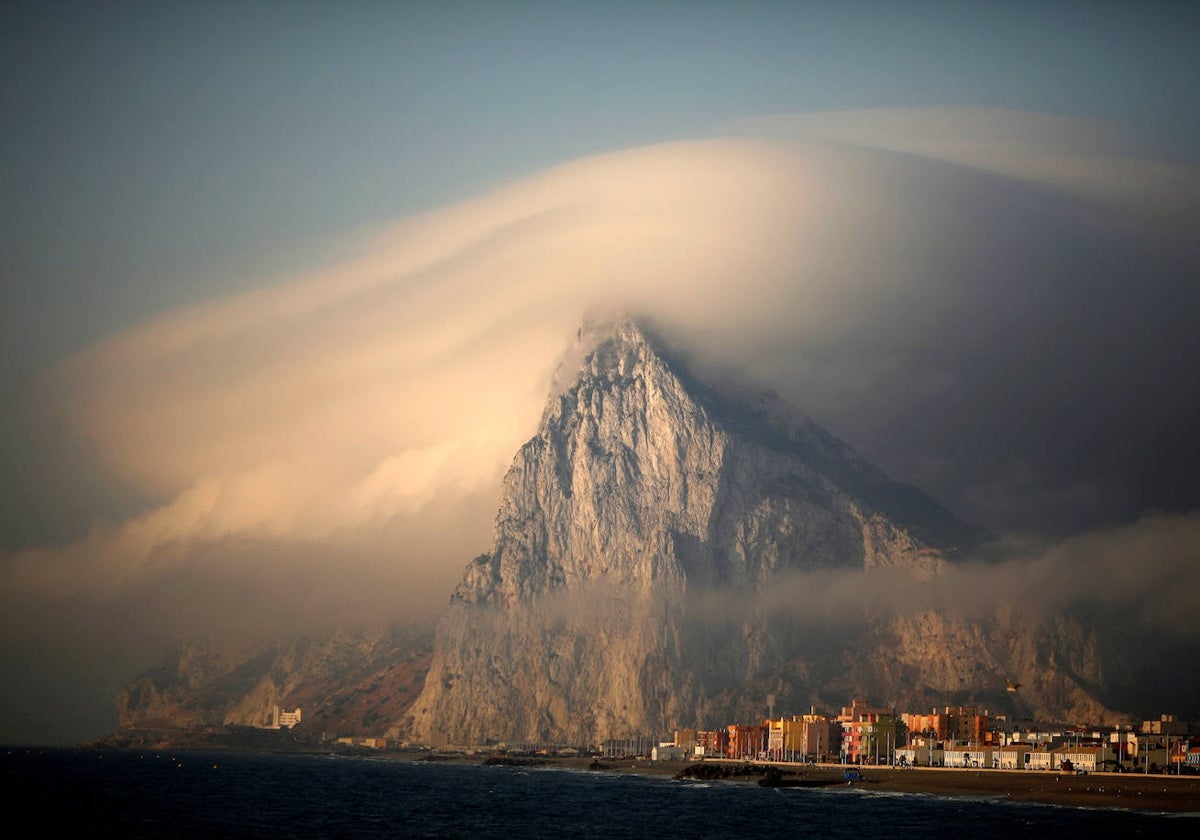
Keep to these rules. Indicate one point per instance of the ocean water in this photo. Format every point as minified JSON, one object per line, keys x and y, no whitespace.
{"x":102,"y":793}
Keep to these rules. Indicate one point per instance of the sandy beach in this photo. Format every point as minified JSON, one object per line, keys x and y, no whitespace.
{"x":1095,"y":790}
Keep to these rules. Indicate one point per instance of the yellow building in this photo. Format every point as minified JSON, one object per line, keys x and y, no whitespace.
{"x":802,"y":737}
{"x":785,"y":738}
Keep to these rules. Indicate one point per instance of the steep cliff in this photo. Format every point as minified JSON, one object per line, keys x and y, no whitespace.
{"x":660,"y":549}
{"x":345,"y":682}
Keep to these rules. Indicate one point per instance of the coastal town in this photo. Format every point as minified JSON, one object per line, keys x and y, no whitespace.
{"x":862,"y":734}
{"x":962,"y":736}
{"x":1153,"y":765}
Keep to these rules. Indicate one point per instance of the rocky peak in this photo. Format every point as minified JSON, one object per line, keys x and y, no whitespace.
{"x":644,"y":486}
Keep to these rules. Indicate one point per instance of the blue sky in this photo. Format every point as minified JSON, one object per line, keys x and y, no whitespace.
{"x":284,"y":283}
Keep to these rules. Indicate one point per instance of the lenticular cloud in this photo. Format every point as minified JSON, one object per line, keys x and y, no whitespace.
{"x":912,"y":280}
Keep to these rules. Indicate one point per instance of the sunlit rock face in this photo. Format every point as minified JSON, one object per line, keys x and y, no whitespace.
{"x":642,"y":536}
{"x":345,"y":681}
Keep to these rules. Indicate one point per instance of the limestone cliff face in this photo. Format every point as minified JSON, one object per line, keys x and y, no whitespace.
{"x":934,"y":656}
{"x":637,"y":533}
{"x":347,"y":682}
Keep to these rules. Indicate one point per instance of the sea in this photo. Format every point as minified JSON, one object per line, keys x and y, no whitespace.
{"x":120,"y":793}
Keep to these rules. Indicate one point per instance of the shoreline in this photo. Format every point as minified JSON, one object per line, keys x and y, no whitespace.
{"x":1124,"y":791}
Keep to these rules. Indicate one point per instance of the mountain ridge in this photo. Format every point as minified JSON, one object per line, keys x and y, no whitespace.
{"x":634,"y":484}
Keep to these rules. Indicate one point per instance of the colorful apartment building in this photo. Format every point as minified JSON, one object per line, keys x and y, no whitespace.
{"x":870,"y":734}
{"x":822,"y":737}
{"x":746,"y":741}
{"x":961,"y":724}
{"x":712,"y":742}
{"x":953,"y":737}
{"x":785,"y":738}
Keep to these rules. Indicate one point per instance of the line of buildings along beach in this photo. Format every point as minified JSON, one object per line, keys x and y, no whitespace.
{"x":959,"y":736}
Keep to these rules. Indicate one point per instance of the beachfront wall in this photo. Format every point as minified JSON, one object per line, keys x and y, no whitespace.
{"x":920,"y":755}
{"x":1090,"y":759}
{"x":970,"y":757}
{"x":1042,"y":759}
{"x":1014,"y":756}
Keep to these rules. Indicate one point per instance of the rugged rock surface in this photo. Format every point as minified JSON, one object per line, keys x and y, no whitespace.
{"x":666,"y":553}
{"x":345,"y":682}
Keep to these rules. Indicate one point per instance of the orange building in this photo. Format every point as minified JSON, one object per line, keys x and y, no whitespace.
{"x":961,"y":724}
{"x":712,"y":742}
{"x":932,"y":726}
{"x":746,"y":741}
